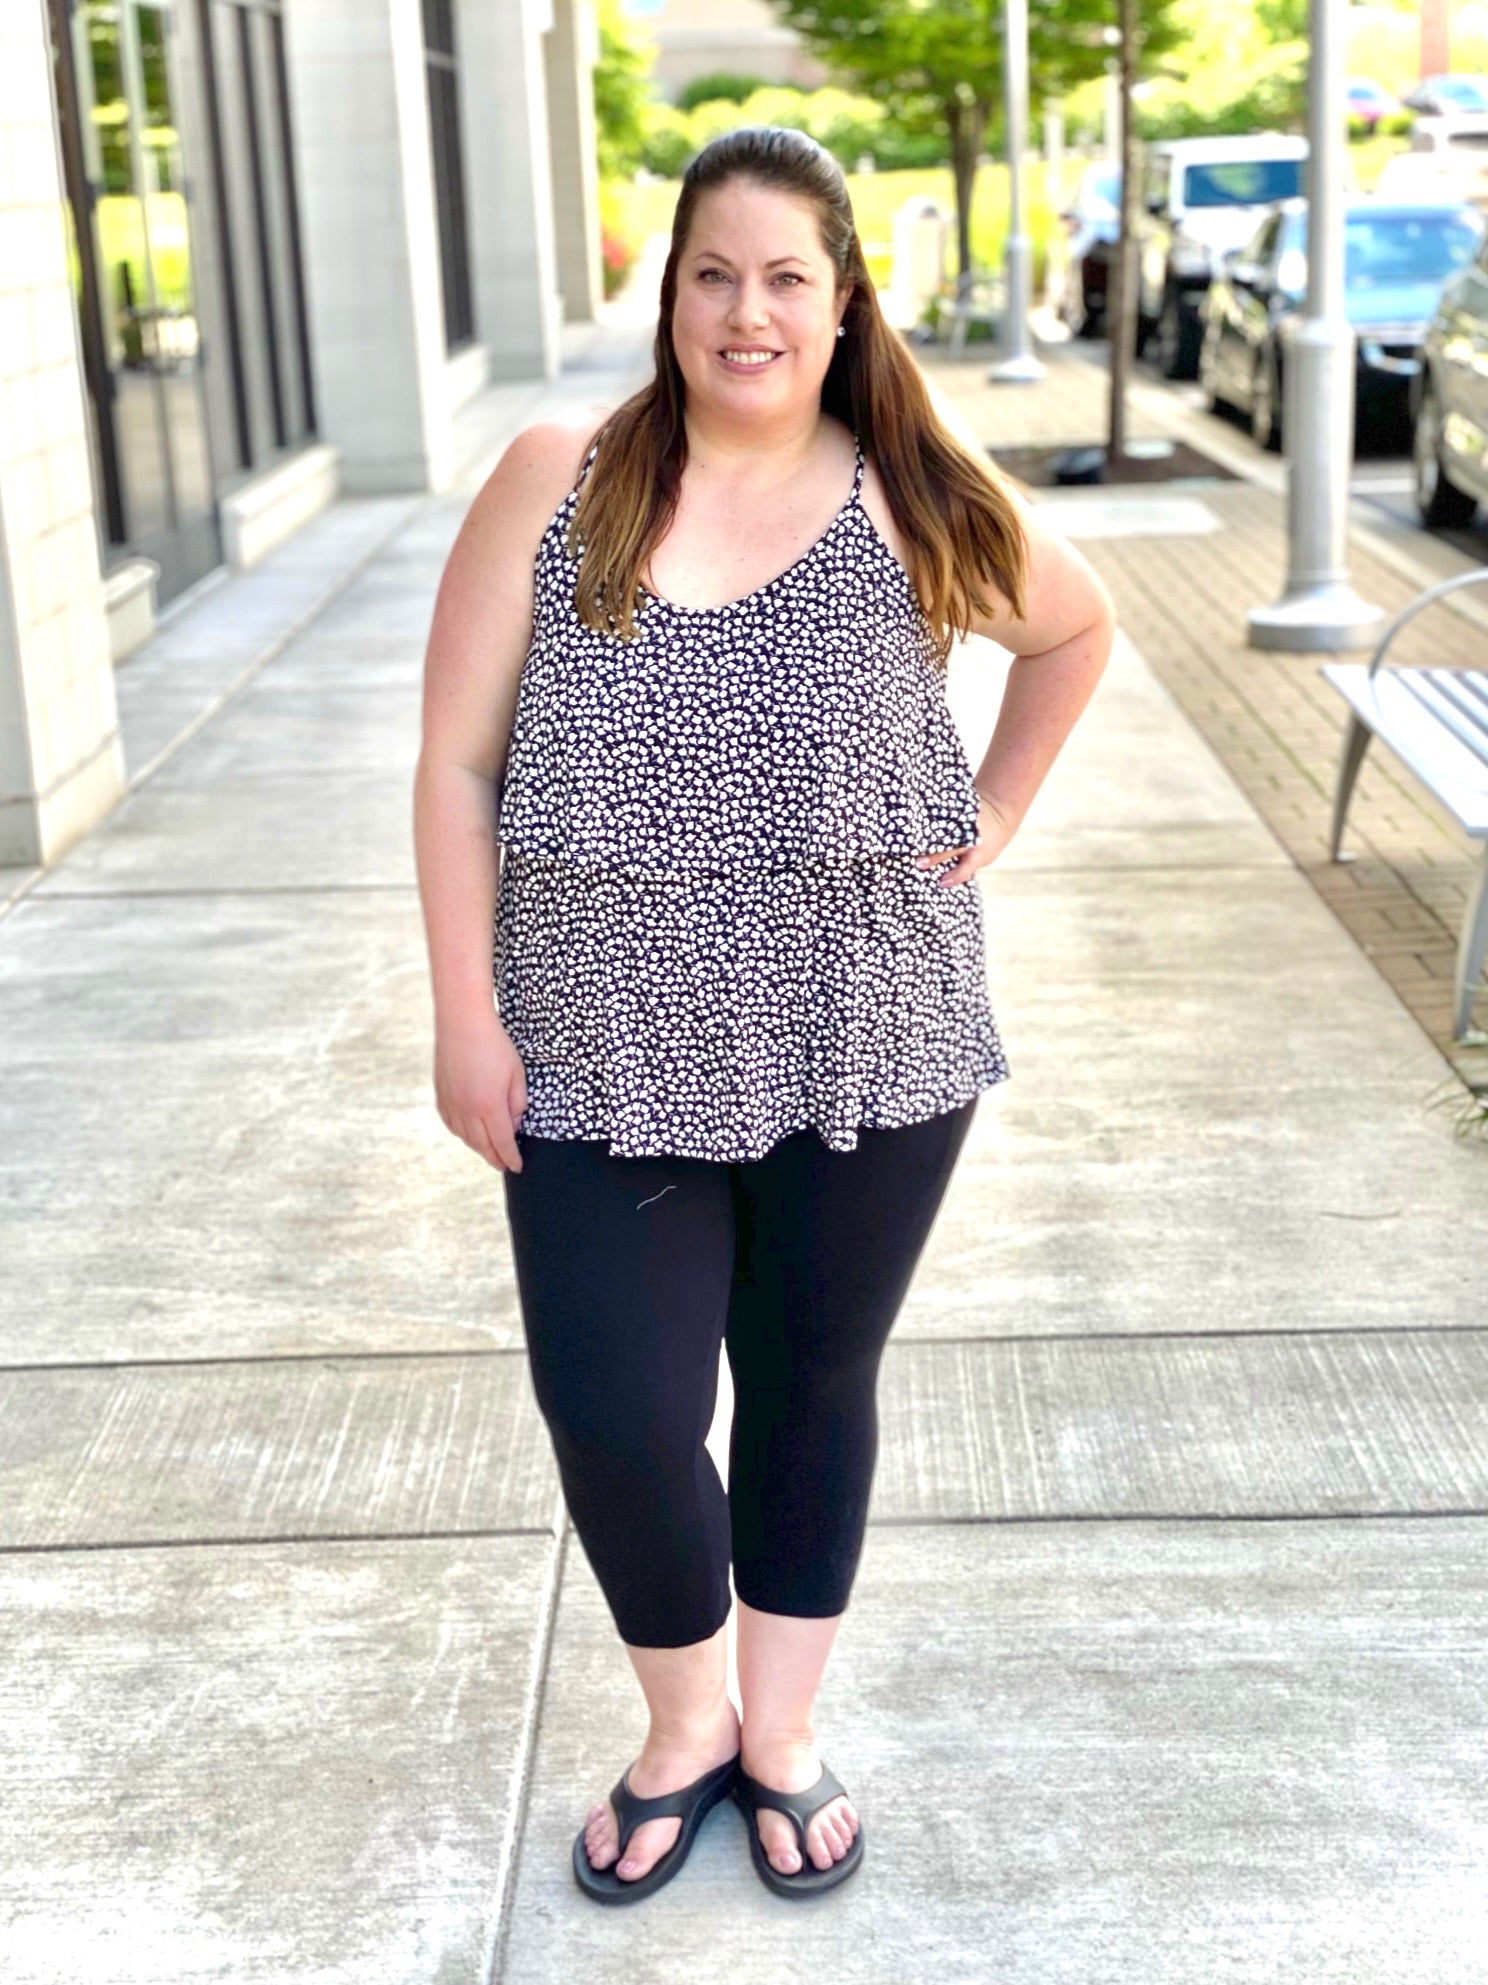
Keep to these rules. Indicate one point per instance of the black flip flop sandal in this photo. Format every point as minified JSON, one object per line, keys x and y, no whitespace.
{"x":691,"y":1805}
{"x":750,"y":1795}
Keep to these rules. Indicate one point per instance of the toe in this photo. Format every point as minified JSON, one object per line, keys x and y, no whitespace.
{"x":779,"y":1839}
{"x":647,"y":1845}
{"x":829,"y":1832}
{"x":601,"y":1838}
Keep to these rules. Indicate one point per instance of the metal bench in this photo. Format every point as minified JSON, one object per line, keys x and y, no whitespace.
{"x":1436,"y":723}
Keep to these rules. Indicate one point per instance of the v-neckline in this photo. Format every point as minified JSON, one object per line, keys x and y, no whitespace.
{"x":854,"y":497}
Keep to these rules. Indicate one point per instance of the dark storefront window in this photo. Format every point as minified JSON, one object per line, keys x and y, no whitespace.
{"x":257,"y":231}
{"x":449,"y":172}
{"x":167,"y":234}
{"x":136,"y":284}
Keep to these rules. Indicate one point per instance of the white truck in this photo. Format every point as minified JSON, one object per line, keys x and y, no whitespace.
{"x":1199,"y":197}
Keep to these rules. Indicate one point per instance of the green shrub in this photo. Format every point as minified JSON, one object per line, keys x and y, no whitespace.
{"x":666,"y":140}
{"x":720,"y":87}
{"x":847,"y":125}
{"x":707,"y":121}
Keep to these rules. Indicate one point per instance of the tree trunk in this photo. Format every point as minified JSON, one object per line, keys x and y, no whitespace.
{"x":968,"y":121}
{"x":1121,"y":299}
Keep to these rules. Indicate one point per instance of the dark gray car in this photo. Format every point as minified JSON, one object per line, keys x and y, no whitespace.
{"x":1397,"y":255}
{"x":1449,"y":401}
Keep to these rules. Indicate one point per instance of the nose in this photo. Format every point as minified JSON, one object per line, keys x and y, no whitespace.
{"x":750,"y":305}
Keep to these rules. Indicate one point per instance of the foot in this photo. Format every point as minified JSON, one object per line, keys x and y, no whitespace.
{"x":793,"y":1765}
{"x":664,"y":1765}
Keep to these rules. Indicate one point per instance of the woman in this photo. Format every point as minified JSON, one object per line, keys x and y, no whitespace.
{"x":686,"y":671}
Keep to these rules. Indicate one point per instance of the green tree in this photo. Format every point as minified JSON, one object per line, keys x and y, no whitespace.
{"x":621,"y":90}
{"x":1237,"y":71}
{"x":936,"y":65}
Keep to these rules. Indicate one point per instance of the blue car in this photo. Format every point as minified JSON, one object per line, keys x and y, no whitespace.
{"x":1397,"y":255}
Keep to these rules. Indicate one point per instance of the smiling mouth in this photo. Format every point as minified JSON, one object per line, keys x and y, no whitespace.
{"x":756,"y":358}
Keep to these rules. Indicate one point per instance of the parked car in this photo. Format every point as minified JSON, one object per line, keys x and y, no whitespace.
{"x":1396,"y":258}
{"x":1093,"y":221}
{"x":1449,"y":400}
{"x":1441,"y":96}
{"x":1201,"y":196}
{"x":1370,"y":101}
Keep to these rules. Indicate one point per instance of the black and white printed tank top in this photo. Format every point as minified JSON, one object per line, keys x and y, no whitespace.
{"x":710,"y":931}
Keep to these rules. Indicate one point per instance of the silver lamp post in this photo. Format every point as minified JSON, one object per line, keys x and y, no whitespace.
{"x":1018,"y":363}
{"x":1319,"y":610}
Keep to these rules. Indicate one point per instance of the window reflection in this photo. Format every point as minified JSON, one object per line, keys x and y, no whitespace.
{"x":141,"y":238}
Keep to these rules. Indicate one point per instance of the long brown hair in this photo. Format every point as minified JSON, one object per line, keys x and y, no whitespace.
{"x":960,"y":526}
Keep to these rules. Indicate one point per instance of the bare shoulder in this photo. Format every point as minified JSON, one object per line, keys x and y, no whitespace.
{"x":538,"y":468}
{"x":483,"y":611}
{"x":1064,"y":595}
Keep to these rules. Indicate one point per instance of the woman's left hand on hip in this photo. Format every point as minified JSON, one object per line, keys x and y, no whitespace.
{"x":994,"y":831}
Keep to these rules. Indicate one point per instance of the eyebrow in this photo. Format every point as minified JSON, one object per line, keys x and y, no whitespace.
{"x":712,"y":255}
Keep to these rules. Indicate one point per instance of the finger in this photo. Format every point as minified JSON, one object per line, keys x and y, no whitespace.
{"x":473,"y":1131}
{"x":962,"y":871}
{"x":504,"y":1138}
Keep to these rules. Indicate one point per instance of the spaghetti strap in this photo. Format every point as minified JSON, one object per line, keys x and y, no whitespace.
{"x":858,"y":472}
{"x":583,"y":472}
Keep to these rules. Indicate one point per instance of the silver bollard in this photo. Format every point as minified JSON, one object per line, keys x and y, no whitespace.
{"x":1018,"y":365}
{"x":1319,"y":611}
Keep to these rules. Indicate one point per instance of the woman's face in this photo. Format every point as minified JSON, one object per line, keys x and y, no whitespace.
{"x":755,"y":320}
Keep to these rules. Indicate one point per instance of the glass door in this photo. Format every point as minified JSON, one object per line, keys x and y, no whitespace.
{"x":133,"y":270}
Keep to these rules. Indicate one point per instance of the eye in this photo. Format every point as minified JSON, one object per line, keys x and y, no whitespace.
{"x":786,"y":276}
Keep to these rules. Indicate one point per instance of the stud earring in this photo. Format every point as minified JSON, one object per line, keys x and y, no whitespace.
{"x":842,"y":330}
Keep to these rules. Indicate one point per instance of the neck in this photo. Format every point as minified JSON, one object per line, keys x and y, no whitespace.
{"x":778,"y":448}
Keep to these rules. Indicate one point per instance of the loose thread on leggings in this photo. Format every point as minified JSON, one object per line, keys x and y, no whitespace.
{"x":655,"y":1196}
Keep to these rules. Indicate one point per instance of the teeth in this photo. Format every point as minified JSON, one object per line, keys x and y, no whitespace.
{"x":750,"y":358}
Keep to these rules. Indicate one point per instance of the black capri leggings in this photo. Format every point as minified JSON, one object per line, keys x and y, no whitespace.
{"x":629,"y":1270}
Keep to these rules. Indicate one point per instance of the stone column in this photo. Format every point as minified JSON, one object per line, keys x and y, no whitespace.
{"x":571,"y":49}
{"x":509,"y":186}
{"x":61,"y":759}
{"x":361,"y":134}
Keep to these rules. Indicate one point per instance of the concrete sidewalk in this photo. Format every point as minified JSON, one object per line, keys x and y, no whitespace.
{"x":1168,"y":1658}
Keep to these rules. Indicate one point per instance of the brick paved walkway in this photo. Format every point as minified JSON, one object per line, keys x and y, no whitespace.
{"x":1269,"y":715}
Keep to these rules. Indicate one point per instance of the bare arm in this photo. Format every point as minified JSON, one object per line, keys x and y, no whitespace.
{"x":478,"y":641}
{"x":1060,"y":649}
